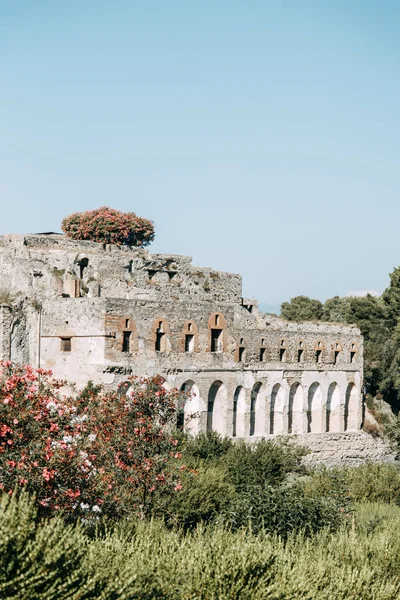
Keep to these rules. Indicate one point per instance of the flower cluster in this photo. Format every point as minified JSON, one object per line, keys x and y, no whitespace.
{"x":99,"y":452}
{"x":110,"y":226}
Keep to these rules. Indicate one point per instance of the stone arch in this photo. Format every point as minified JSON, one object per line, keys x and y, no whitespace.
{"x":351,"y":408}
{"x":255,"y":412}
{"x":296,"y":409}
{"x":216,"y":407}
{"x":314,"y":409}
{"x":161,"y":335}
{"x":188,"y":409}
{"x":332,"y":414}
{"x":239,"y":412}
{"x":189,"y":337}
{"x":217,"y":337}
{"x":276,"y":416}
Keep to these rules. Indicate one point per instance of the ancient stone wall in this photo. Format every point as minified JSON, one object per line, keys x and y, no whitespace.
{"x":89,"y":311}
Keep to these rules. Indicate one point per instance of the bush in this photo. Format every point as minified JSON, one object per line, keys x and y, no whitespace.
{"x":206,"y":447}
{"x":206,"y":497}
{"x":109,"y":226}
{"x":146,"y":561}
{"x":284,"y":510}
{"x":265,"y":463}
{"x":372,"y":482}
{"x":39,"y":561}
{"x":102,"y":453}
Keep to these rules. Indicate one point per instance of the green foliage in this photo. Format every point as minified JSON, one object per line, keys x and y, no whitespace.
{"x":264,"y":463}
{"x":371,"y":482}
{"x":146,"y":561}
{"x":39,"y":560}
{"x":302,"y":308}
{"x":206,"y":497}
{"x":208,"y":447}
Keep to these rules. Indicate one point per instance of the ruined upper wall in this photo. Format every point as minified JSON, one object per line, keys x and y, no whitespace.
{"x":45,"y":266}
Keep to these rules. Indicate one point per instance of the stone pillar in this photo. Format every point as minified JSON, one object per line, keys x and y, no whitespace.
{"x":5,"y":331}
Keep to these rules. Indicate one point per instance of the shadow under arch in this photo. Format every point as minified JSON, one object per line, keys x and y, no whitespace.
{"x":332,"y":409}
{"x":276,"y":424}
{"x":188,"y":406}
{"x":239,"y":411}
{"x":314,"y":409}
{"x":351,"y":408}
{"x":295,"y":409}
{"x":216,"y":407}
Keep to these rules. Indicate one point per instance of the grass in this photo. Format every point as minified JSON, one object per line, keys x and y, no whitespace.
{"x":145,"y":560}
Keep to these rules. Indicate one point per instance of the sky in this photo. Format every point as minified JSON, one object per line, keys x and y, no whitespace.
{"x":261,"y":137}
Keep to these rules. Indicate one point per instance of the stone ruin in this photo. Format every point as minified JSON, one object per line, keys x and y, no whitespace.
{"x":99,"y":312}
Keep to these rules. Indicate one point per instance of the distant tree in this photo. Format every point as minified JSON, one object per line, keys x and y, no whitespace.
{"x":109,"y":226}
{"x":391,"y":297}
{"x":302,"y":308}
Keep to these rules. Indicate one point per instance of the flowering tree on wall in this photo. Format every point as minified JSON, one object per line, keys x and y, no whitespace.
{"x":100,"y":453}
{"x":110,"y":226}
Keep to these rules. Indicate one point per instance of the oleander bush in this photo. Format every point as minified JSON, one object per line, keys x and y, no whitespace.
{"x":109,"y":226}
{"x":95,"y":454}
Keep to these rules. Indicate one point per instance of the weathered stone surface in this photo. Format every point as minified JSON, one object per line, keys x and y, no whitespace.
{"x":101,"y":312}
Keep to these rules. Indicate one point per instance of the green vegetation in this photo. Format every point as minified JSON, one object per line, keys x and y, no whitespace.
{"x":379,"y":321}
{"x":101,"y":499}
{"x":146,"y":560}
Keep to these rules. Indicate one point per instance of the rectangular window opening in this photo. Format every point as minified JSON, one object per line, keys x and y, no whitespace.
{"x":262,"y":354}
{"x":66,"y":345}
{"x":318,"y":356}
{"x":241,"y":354}
{"x":189,"y":342}
{"x":126,"y":341}
{"x":160,"y":341}
{"x":127,"y":323}
{"x":352,"y":357}
{"x":216,"y":340}
{"x":300,"y":355}
{"x":282,"y":354}
{"x":336,"y":357}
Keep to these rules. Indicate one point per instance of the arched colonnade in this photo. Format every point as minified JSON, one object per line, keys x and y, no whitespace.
{"x":262,"y":411}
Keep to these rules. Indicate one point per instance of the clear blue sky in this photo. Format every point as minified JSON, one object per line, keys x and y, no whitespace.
{"x":262,"y":137}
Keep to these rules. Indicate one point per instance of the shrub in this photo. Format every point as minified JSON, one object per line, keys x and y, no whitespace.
{"x":374,"y":482}
{"x":284,"y":510}
{"x":206,"y":447}
{"x":39,"y":560}
{"x":109,"y":226}
{"x":265,"y":463}
{"x":206,"y":497}
{"x":102,"y":452}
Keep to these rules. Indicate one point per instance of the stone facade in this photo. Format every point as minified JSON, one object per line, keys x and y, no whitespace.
{"x":100,"y":312}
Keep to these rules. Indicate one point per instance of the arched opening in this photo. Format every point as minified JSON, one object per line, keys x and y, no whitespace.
{"x":332,"y":416}
{"x":187,"y":414}
{"x":276,"y":425}
{"x":314,"y":409}
{"x":239,"y":411}
{"x":254,"y":408}
{"x":296,"y":405}
{"x":351,"y":408}
{"x":216,"y":407}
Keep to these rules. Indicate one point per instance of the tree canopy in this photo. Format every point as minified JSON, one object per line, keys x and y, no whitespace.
{"x":109,"y":226}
